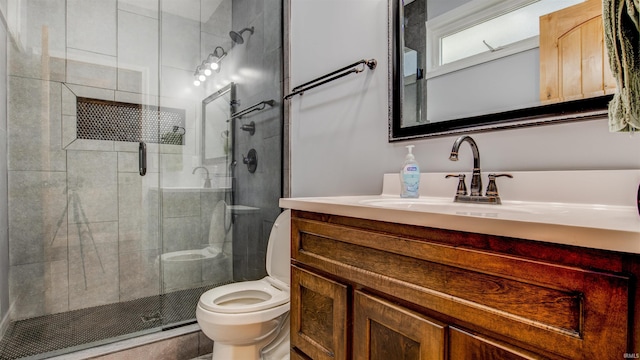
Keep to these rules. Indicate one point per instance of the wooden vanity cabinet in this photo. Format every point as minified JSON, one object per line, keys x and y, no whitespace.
{"x":363,"y":289}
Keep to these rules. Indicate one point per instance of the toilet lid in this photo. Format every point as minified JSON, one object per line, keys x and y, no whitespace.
{"x":279,"y":249}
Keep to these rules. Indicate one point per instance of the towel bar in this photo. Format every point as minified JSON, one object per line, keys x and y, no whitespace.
{"x":350,"y":69}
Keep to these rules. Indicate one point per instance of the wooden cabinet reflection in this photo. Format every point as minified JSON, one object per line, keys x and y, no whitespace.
{"x":573,"y":56}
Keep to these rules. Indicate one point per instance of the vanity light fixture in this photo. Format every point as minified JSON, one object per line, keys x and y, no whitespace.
{"x":199,"y":76}
{"x":215,"y":57}
{"x":210,"y":64}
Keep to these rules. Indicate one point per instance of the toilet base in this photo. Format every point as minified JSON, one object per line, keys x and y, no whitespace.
{"x":249,"y":352}
{"x":272,"y":348}
{"x":280,"y":347}
{"x":230,"y":352}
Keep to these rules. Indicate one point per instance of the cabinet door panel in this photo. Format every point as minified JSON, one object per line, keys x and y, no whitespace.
{"x":385,"y":331}
{"x":318,"y":315}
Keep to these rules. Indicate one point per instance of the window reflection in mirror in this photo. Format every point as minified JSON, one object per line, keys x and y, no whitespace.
{"x":481,"y":31}
{"x":496,"y":76}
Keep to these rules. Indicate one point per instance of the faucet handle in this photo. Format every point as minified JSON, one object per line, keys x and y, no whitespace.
{"x":492,"y":188}
{"x":462,"y":188}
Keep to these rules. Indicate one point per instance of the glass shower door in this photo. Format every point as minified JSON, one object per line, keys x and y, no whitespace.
{"x":84,"y":225}
{"x":99,"y":252}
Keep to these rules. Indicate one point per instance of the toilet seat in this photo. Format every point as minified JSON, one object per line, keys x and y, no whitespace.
{"x":245,"y":297}
{"x":210,"y":252}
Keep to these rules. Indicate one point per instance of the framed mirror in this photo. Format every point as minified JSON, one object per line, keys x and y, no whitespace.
{"x":454,"y":68}
{"x":217,"y":137}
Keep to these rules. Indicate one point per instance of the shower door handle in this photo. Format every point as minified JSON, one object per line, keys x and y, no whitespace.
{"x":142,"y":158}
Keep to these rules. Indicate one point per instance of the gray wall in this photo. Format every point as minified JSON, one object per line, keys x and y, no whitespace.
{"x":4,"y":228}
{"x":339,"y":132}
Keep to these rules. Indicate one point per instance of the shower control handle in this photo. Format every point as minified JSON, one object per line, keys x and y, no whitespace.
{"x":251,"y":160}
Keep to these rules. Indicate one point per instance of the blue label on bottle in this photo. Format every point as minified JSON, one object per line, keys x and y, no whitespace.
{"x":411,"y":181}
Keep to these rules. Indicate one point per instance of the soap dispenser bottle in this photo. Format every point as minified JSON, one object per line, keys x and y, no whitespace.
{"x":410,"y":176}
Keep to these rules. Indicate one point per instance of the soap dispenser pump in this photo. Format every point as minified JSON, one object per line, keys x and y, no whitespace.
{"x":410,"y":176}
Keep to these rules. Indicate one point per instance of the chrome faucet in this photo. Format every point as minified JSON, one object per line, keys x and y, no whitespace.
{"x":207,"y":180}
{"x":476,"y":180}
{"x":491,"y":196}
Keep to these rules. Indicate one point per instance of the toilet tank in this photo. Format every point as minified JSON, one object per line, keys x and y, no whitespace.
{"x":279,"y":248}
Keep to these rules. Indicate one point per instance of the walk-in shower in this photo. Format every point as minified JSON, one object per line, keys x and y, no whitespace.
{"x":98,"y":249}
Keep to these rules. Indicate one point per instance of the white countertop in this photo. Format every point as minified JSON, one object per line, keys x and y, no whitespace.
{"x":607,"y":222}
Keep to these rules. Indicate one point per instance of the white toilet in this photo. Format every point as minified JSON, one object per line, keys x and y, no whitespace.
{"x":187,"y":269}
{"x":249,"y":320}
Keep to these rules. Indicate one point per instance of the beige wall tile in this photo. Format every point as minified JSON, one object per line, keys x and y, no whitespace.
{"x":139,"y":274}
{"x":34,"y":125}
{"x":93,"y":264}
{"x":93,"y":182}
{"x":91,"y":25}
{"x":37,"y":216}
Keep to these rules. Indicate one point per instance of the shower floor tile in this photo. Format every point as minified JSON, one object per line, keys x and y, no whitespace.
{"x":56,"y":334}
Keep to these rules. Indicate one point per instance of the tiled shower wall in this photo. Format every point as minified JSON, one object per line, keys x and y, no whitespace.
{"x":4,"y":231}
{"x":261,"y":59}
{"x":84,"y":229}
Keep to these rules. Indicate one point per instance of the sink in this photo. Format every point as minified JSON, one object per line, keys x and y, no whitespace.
{"x":406,"y":203}
{"x":447,"y":205}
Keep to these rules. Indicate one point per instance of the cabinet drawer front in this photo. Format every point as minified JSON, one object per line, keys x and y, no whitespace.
{"x":463,"y":345}
{"x":569,"y":311}
{"x":383,"y":331}
{"x":318,"y":315}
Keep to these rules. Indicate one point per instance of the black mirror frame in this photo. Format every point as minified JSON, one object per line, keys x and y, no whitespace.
{"x":546,"y":114}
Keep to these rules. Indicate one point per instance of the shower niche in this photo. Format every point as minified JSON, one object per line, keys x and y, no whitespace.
{"x":96,"y":120}
{"x":119,"y":121}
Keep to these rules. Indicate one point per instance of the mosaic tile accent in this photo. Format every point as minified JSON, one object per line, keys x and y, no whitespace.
{"x":49,"y":335}
{"x":118,"y":121}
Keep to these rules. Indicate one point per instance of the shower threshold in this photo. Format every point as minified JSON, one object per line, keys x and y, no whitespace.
{"x":56,"y":334}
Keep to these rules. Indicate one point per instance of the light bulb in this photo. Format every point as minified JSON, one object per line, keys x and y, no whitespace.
{"x":215,"y":66}
{"x":196,"y":82}
{"x":201,"y":77}
{"x":207,"y":72}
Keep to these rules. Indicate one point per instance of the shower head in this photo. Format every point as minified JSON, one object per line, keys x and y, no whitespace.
{"x":236,"y":37}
